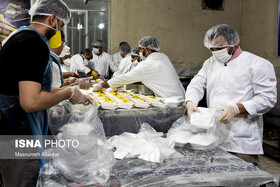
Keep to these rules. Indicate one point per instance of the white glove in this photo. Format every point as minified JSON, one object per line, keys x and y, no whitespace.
{"x":229,"y":112}
{"x":78,"y":98}
{"x":191,"y":108}
{"x":84,"y":83}
{"x":97,"y":88}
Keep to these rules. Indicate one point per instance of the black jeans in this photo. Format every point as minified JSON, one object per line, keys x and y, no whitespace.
{"x":19,"y":172}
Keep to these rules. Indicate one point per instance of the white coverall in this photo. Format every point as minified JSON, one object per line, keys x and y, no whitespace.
{"x":102,"y":63}
{"x":157,"y":73}
{"x":117,"y":58}
{"x":56,"y":78}
{"x":125,"y":66}
{"x":78,"y":64}
{"x":247,"y":79}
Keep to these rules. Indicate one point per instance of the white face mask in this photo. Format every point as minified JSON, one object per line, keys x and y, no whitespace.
{"x":95,"y":50}
{"x":141,"y":55}
{"x":222,"y":55}
{"x":64,"y":51}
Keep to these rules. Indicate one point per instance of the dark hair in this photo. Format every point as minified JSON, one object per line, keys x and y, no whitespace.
{"x":87,"y":52}
{"x":62,"y":35}
{"x":228,"y":32}
{"x":39,"y":18}
{"x":123,"y":42}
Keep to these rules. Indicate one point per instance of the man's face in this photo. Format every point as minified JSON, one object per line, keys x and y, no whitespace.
{"x":221,"y":41}
{"x":133,"y":58}
{"x":87,"y":57}
{"x":123,"y":55}
{"x":95,"y":48}
{"x":143,"y":50}
{"x":51,"y":32}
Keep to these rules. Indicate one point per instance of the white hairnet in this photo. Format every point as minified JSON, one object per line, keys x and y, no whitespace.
{"x":135,"y":51}
{"x":211,"y":39}
{"x":125,"y":48}
{"x":150,"y":42}
{"x":97,"y":43}
{"x":49,"y":7}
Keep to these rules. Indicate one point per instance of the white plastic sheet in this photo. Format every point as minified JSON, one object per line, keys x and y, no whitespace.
{"x":90,"y":162}
{"x":148,"y":145}
{"x":201,"y":133}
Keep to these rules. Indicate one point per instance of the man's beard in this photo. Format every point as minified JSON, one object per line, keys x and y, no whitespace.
{"x":50,"y":33}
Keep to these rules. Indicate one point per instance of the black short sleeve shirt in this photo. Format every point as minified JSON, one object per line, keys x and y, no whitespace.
{"x":24,"y":57}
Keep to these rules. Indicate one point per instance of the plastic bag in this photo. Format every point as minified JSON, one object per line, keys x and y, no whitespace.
{"x":148,"y":145}
{"x":205,"y":132}
{"x":90,"y":162}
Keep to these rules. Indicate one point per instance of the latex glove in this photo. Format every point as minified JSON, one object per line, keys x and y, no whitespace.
{"x":97,"y":88}
{"x":77,"y":97}
{"x":84,"y":83}
{"x":70,"y":80}
{"x":191,"y":108}
{"x":229,"y":112}
{"x":94,"y":74}
{"x":88,"y":78}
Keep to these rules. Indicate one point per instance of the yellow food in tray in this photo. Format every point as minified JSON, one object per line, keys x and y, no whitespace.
{"x":125,"y":100}
{"x":103,"y":101}
{"x":100,"y":94}
{"x":136,"y":100}
{"x":153,"y":97}
{"x":119,"y":100}
{"x":107,"y":100}
{"x":118,"y":96}
{"x":137,"y":97}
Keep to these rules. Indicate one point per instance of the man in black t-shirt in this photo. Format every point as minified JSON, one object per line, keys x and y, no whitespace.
{"x":26,"y":95}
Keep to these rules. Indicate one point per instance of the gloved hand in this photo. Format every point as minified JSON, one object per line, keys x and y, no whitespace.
{"x":84,"y":83}
{"x":229,"y":112}
{"x":78,"y":98}
{"x":70,"y":80}
{"x":191,"y":108}
{"x":97,"y":88}
{"x":94,"y":74}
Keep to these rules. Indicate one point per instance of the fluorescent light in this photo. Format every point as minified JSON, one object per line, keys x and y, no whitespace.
{"x":79,"y":26}
{"x":101,"y":26}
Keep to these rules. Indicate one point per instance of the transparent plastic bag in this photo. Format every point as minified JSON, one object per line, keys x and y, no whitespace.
{"x":199,"y":136}
{"x":90,"y":162}
{"x":148,"y":145}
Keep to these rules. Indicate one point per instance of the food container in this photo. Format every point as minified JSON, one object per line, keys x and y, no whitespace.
{"x":144,"y":90}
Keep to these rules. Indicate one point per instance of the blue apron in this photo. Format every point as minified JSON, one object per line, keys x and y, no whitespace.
{"x":35,"y":123}
{"x":57,"y":61}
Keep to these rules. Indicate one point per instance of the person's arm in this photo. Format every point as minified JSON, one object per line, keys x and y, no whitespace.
{"x":264,"y":87}
{"x":80,"y":66}
{"x":196,"y":88}
{"x":33,"y":99}
{"x":265,"y":94}
{"x":136,"y":75}
{"x":67,"y":74}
